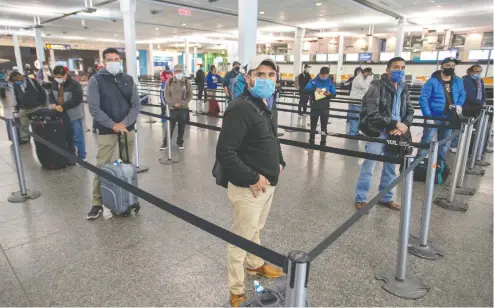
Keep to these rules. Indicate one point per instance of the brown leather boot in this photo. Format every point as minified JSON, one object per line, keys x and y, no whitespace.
{"x":360,"y":205}
{"x":237,"y":300}
{"x":391,"y":204}
{"x":267,"y":270}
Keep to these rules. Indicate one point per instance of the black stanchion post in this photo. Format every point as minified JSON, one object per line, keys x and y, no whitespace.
{"x":420,"y":246}
{"x":23,"y":194}
{"x":471,"y":164}
{"x":483,"y":132}
{"x":449,"y":203}
{"x":461,"y":177}
{"x":168,"y":160}
{"x":397,"y":281}
{"x":298,"y":276}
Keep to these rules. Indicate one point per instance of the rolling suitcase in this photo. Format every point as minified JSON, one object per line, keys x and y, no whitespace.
{"x":116,"y":199}
{"x":53,"y":128}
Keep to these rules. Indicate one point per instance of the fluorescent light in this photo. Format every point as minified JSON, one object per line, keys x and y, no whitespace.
{"x":318,"y":3}
{"x":184,"y":24}
{"x":156,"y":28}
{"x":261,"y":12}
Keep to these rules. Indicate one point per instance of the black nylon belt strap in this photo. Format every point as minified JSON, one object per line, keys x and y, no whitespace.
{"x":249,"y":246}
{"x":314,"y":253}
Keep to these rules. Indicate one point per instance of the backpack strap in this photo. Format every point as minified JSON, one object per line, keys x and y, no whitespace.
{"x":261,"y":112}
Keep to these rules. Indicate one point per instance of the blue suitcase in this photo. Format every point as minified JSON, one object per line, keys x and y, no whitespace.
{"x":116,"y":199}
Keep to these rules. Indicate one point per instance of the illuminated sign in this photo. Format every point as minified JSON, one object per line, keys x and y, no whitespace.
{"x":57,"y":46}
{"x":183,"y":11}
{"x":365,"y":56}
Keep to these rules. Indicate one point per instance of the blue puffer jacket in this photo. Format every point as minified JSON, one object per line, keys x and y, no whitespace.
{"x":433,"y":99}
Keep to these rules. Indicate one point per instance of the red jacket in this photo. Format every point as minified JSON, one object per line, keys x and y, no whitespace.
{"x":165,"y":75}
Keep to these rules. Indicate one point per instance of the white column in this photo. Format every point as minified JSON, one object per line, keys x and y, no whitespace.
{"x":194,"y":66}
{"x":247,"y":30}
{"x":101,"y":58}
{"x":230,"y":54}
{"x":40,"y":48}
{"x":186,"y":58}
{"x":400,"y":38}
{"x":339,"y":66}
{"x":150,"y":60}
{"x":447,"y":39}
{"x":53,"y":61}
{"x":297,"y":51}
{"x":128,"y":8}
{"x":17,"y":52}
{"x":174,"y":59}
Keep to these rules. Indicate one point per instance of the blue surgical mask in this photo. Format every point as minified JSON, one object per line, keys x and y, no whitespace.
{"x":397,"y":75}
{"x":263,"y":88}
{"x":476,"y":76}
{"x":20,"y":82}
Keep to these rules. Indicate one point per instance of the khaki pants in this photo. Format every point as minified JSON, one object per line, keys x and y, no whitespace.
{"x":249,"y":217}
{"x":24,"y":119}
{"x":106,"y":148}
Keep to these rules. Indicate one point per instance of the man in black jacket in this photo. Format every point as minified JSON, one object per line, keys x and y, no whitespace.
{"x":250,"y":155}
{"x":302,"y":80}
{"x":29,"y":96}
{"x":386,"y":113}
{"x":200,"y":80}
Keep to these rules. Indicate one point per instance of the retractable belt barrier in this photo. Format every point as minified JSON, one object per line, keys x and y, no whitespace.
{"x":226,"y":235}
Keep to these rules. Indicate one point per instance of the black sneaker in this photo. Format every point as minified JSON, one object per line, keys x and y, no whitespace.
{"x":163,"y":147}
{"x":94,"y":212}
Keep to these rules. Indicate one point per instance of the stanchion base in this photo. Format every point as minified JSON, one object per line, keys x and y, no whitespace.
{"x":466,"y":191}
{"x":480,"y":172}
{"x":17,"y":197}
{"x":410,"y":288}
{"x":150,"y":121}
{"x":428,"y":252}
{"x":451,"y":206}
{"x":482,"y":163}
{"x":142,"y":169}
{"x":166,"y":161}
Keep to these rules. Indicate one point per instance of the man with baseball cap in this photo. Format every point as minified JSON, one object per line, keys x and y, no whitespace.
{"x":251,"y":160}
{"x":230,"y":76}
{"x":301,"y":81}
{"x":441,"y":96}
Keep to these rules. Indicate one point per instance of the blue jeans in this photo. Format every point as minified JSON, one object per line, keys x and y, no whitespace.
{"x":79,"y":140}
{"x":429,"y":133}
{"x":388,"y":174}
{"x":353,"y":125}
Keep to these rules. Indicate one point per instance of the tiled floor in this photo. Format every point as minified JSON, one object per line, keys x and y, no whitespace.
{"x":51,"y":256}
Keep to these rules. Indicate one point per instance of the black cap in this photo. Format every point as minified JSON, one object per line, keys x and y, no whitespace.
{"x":449,"y":59}
{"x":368,"y":70}
{"x":307,"y":66}
{"x":236,"y":62}
{"x":324,"y":70}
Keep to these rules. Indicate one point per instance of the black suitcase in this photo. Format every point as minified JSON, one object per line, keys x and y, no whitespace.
{"x":55,"y":129}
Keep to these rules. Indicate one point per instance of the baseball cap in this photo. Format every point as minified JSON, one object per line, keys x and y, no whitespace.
{"x":178,"y":67}
{"x":324,"y":70}
{"x":236,"y":62}
{"x":449,"y":59}
{"x":307,"y":66}
{"x":257,"y":60}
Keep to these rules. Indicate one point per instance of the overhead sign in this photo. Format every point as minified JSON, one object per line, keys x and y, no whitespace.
{"x":183,"y":11}
{"x":57,"y":46}
{"x":365,"y":56}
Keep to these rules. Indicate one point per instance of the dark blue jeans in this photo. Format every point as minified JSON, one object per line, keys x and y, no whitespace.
{"x":79,"y":139}
{"x":178,"y":116}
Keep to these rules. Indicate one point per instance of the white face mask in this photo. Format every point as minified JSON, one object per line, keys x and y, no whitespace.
{"x":45,"y":67}
{"x":179,"y":76}
{"x":113,"y":67}
{"x":60,"y":80}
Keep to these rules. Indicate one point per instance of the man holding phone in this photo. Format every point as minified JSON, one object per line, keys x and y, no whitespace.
{"x":323,"y":89}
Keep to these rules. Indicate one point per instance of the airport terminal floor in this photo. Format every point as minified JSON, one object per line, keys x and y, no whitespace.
{"x":52,"y":256}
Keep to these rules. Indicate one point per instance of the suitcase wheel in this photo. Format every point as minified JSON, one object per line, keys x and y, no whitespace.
{"x":137,"y":208}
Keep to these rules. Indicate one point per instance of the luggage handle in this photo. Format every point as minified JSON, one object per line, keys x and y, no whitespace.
{"x":126,"y":148}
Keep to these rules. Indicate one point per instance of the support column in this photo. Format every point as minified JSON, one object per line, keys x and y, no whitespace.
{"x":40,"y":48}
{"x":17,"y":52}
{"x":247,"y":30}
{"x":194,"y":66}
{"x":101,"y":58}
{"x":230,"y":57}
{"x":339,"y":66}
{"x":53,"y":61}
{"x":186,"y":58}
{"x":400,"y":38}
{"x":297,"y":51}
{"x":128,"y":8}
{"x":150,"y":63}
{"x":447,"y":39}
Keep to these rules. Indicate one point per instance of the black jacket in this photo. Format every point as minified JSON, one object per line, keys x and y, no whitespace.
{"x":73,"y":97}
{"x":200,"y":77}
{"x":377,"y":107}
{"x":31,"y":97}
{"x":303,"y":80}
{"x":473,"y":105}
{"x":248,"y":144}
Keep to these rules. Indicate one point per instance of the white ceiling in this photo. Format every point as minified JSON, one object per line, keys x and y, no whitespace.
{"x":213,"y":23}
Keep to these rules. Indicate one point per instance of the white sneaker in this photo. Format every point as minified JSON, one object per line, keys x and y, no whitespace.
{"x":180,"y":147}
{"x":453,"y":150}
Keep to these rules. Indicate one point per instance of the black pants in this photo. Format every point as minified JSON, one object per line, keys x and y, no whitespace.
{"x":302,"y":104}
{"x":314,"y":117}
{"x":178,"y":116}
{"x":2,"y":93}
{"x":200,"y":91}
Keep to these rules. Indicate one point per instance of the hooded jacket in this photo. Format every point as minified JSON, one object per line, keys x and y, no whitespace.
{"x":72,"y":98}
{"x":318,"y":83}
{"x":377,"y":107}
{"x":360,"y":85}
{"x":112,"y":99}
{"x":433,"y":100}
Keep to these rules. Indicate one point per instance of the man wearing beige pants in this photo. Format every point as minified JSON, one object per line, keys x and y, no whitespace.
{"x":250,"y":157}
{"x":114,"y":104}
